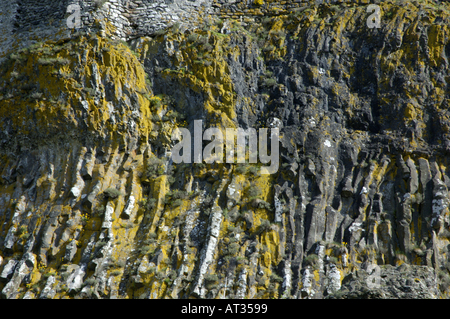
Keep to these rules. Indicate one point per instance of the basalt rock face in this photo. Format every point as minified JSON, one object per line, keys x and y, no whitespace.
{"x":92,"y":206}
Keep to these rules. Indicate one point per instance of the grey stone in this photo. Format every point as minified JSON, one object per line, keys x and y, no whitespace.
{"x":402,"y":282}
{"x":24,"y":267}
{"x":8,"y":270}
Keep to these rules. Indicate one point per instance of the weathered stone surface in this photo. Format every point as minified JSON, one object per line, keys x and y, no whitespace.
{"x":8,"y":269}
{"x":92,"y":204}
{"x":23,"y":268}
{"x":403,"y":282}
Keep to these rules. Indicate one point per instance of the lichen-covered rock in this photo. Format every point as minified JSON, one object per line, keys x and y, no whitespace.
{"x":402,"y":282}
{"x":92,"y":204}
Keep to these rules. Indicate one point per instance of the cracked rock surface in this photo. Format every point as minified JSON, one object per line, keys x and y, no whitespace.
{"x":93,"y":206}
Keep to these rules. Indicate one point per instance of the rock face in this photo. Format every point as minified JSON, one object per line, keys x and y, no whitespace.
{"x":126,"y":19}
{"x":92,"y":204}
{"x":389,"y":282}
